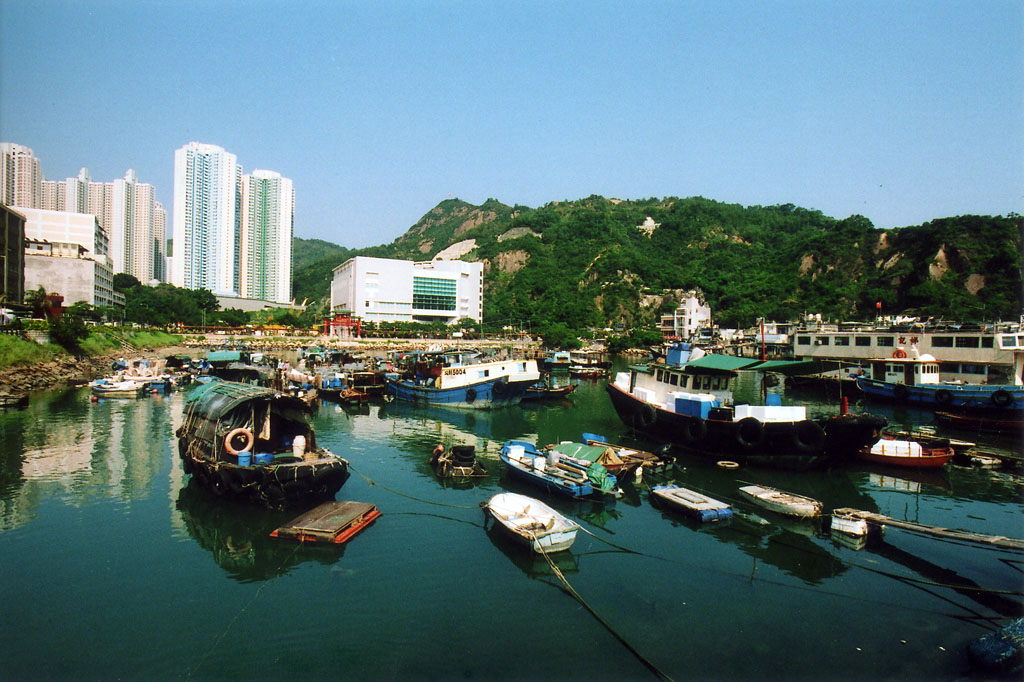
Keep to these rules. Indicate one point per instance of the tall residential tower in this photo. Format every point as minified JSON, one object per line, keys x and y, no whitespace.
{"x":268,"y":217}
{"x":207,"y":197}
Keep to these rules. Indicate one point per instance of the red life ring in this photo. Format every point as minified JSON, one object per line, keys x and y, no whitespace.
{"x":249,"y":440}
{"x":899,"y":353}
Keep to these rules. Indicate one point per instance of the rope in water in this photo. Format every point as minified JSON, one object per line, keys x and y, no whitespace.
{"x":607,"y":626}
{"x":411,"y":497}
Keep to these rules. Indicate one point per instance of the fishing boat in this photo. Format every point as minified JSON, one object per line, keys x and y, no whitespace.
{"x":691,"y":503}
{"x":462,"y":379}
{"x":113,"y":388}
{"x":913,"y":379}
{"x":782,"y":502}
{"x":621,"y":460}
{"x":586,"y":371}
{"x":533,"y":523}
{"x":555,"y":472}
{"x":255,"y":444}
{"x":13,"y":399}
{"x":557,"y":361}
{"x":459,"y":461}
{"x":544,"y":389}
{"x":1004,"y":421}
{"x":907,"y":453}
{"x":688,"y":400}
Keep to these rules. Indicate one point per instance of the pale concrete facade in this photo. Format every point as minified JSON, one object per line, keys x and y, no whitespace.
{"x":388,"y":290}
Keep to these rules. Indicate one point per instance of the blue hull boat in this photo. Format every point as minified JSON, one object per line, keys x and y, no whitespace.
{"x":492,"y":393}
{"x":555,"y":472}
{"x":461,"y":379}
{"x":946,"y":396}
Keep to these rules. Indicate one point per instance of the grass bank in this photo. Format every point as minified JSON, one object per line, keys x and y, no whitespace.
{"x":16,"y":351}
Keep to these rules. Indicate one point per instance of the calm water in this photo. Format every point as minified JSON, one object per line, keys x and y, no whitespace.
{"x":113,"y":567}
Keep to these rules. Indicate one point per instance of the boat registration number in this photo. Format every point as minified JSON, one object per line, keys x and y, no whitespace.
{"x":455,"y":370}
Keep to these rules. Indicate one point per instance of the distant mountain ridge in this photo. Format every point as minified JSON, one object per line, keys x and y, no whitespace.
{"x":597,"y":261}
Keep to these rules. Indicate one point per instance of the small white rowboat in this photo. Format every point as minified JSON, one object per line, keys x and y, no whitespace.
{"x":781,"y":502}
{"x":533,"y":523}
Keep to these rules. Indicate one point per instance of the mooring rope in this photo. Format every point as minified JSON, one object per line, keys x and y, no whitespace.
{"x":216,"y":642}
{"x":607,"y":626}
{"x":406,"y":495}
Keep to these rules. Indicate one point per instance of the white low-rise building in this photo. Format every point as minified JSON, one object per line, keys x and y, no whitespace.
{"x":67,"y":253}
{"x":387,"y":290}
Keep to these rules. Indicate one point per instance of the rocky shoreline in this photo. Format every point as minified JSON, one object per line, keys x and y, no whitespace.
{"x":70,"y":370}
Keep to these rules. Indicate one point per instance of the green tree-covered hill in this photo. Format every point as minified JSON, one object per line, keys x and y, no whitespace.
{"x":596,"y":261}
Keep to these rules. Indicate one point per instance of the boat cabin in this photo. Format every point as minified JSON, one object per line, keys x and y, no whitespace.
{"x":910,"y":371}
{"x":222,"y":418}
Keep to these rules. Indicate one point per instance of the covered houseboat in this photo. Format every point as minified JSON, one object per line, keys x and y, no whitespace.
{"x":255,"y":444}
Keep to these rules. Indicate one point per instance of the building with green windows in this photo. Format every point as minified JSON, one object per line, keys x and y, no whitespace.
{"x":388,"y":290}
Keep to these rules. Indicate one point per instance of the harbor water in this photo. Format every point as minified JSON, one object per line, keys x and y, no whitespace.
{"x":114,"y":566}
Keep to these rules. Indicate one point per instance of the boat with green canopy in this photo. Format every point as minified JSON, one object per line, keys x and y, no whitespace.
{"x":256,"y":445}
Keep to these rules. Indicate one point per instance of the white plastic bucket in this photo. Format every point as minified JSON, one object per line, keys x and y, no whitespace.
{"x":515,"y":452}
{"x":299,"y":446}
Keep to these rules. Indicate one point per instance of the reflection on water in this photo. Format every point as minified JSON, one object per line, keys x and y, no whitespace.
{"x":66,"y":446}
{"x":238,"y":536}
{"x":77,"y":479}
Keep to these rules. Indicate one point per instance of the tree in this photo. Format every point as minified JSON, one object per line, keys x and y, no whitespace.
{"x":68,"y":331}
{"x":123,"y":282}
{"x":234,"y":317}
{"x":558,"y":335}
{"x":36,"y":299}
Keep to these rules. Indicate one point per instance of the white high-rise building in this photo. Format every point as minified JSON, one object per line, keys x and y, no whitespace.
{"x":76,"y":193}
{"x":159,"y":242}
{"x":207,"y":194}
{"x":268,"y":218}
{"x":126,"y":209}
{"x":21,"y":176}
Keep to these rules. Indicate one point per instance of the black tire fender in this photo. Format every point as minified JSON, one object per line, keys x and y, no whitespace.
{"x":645,"y":415}
{"x":694,"y":430}
{"x":943,"y":397}
{"x":808,"y":436}
{"x":749,"y":433}
{"x":1002,"y":398}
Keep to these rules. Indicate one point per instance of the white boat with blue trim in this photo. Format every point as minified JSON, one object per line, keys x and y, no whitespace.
{"x":461,"y":378}
{"x":533,"y":523}
{"x":914,"y":379}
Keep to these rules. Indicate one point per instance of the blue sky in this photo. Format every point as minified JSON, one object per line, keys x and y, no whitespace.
{"x":900,"y":111}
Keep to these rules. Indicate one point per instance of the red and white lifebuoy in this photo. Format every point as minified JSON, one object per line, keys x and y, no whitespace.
{"x":249,"y":440}
{"x":899,"y":353}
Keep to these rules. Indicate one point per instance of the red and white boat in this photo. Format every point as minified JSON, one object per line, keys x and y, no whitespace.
{"x":907,"y":453}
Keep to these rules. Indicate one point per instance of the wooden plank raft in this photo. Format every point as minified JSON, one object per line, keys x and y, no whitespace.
{"x":331,"y":522}
{"x":949,"y":533}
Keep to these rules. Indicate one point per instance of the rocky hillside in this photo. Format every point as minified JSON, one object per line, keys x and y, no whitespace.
{"x":597,"y":261}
